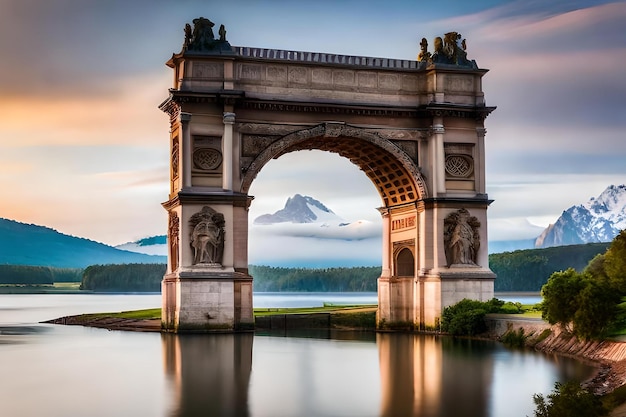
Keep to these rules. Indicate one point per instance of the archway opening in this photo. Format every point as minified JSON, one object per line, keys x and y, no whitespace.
{"x":348,"y":237}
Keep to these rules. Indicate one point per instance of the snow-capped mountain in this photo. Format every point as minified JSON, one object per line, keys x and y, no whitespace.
{"x":154,"y":245}
{"x":307,"y":233}
{"x":300,"y":209}
{"x":598,"y":220}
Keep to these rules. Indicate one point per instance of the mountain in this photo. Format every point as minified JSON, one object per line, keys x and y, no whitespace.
{"x":306,"y":233}
{"x":300,"y":209}
{"x":29,"y":244}
{"x":598,"y":220}
{"x":154,"y":245}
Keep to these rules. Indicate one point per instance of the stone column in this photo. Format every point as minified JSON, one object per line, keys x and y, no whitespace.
{"x":185,"y":118}
{"x":439,"y":160}
{"x":227,"y":151}
{"x":386,"y":269}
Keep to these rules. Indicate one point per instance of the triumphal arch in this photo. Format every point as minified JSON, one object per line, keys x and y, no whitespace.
{"x":414,"y":127}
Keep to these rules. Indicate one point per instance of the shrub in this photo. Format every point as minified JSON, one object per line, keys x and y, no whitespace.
{"x":467,"y":317}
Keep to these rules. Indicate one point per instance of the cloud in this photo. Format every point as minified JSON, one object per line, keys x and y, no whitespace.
{"x":357,"y":230}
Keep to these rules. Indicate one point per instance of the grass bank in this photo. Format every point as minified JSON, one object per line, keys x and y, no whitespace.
{"x":56,"y":288}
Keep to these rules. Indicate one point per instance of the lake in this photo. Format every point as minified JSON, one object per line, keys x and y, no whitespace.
{"x":53,"y":370}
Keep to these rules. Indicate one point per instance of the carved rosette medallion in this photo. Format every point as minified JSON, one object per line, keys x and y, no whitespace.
{"x":459,"y":166}
{"x":207,"y":159}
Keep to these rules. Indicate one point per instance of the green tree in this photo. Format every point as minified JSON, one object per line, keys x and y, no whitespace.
{"x":597,"y":310}
{"x":560,"y":297}
{"x":615,"y":262}
{"x":568,"y":400}
{"x":467,"y":317}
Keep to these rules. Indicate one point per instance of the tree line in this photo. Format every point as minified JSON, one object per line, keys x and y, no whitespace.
{"x":37,"y":275}
{"x":267,"y":278}
{"x":125,"y":277}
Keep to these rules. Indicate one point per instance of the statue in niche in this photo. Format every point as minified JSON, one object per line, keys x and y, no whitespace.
{"x":461,"y":238}
{"x":424,"y":55}
{"x":207,"y":236}
{"x":202,"y":39}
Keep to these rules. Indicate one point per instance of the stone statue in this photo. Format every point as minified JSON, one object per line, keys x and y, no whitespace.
{"x":201,"y":38}
{"x":188,"y":36}
{"x":424,"y":55}
{"x":207,"y":236}
{"x":450,"y":50}
{"x":438,"y":56}
{"x":461,"y":238}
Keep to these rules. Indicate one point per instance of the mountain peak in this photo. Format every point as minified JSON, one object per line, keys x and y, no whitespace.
{"x":299,"y":209}
{"x":598,"y":220}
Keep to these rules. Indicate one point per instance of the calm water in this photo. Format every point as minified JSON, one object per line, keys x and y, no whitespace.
{"x":49,"y":370}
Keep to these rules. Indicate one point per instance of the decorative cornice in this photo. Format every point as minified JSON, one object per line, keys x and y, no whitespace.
{"x":205,"y":196}
{"x":329,"y":108}
{"x":454,"y":110}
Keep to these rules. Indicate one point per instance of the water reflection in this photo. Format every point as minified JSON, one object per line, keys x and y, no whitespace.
{"x":209,"y":374}
{"x":432,"y":376}
{"x":335,"y":373}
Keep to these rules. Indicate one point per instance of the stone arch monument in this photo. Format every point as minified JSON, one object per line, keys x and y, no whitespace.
{"x":415,"y":128}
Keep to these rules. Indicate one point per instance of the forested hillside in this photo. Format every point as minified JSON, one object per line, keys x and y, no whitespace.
{"x":529,"y":270}
{"x":268,"y":278}
{"x":29,"y":244}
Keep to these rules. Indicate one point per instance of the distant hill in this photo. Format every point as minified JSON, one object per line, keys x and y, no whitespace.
{"x":29,"y":244}
{"x":153,"y":245}
{"x":529,"y":270}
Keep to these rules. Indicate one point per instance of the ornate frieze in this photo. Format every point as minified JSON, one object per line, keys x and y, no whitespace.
{"x":403,"y":223}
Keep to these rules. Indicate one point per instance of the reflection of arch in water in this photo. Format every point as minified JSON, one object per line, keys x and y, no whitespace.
{"x":210,"y":374}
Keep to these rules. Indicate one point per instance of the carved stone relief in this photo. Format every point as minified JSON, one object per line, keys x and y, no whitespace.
{"x":410,"y":148}
{"x":208,"y":70}
{"x":175,"y":157}
{"x":207,"y":155}
{"x":173,"y":235}
{"x":207,"y":159}
{"x":459,"y":83}
{"x":297,"y":75}
{"x":253,"y":145}
{"x":251,"y":72}
{"x":459,"y":163}
{"x":207,"y":237}
{"x":321,"y":76}
{"x":461,"y":238}
{"x":277,"y":73}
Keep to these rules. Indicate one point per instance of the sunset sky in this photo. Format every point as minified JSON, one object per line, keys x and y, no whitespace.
{"x":84,"y":148}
